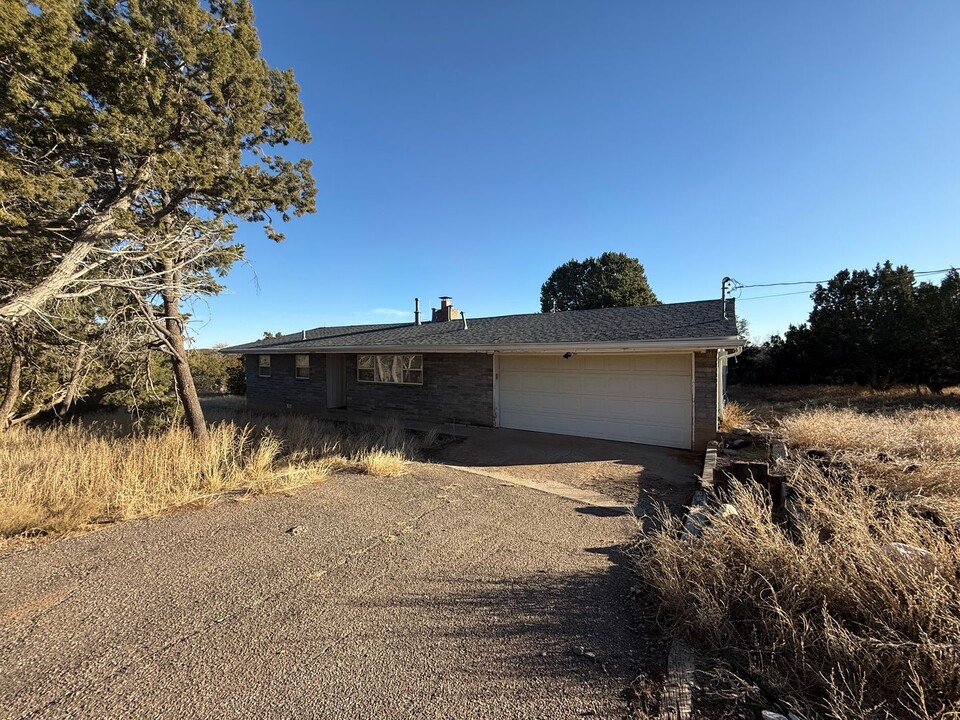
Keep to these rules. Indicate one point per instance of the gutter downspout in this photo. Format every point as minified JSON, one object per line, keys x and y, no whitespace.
{"x":725,"y":356}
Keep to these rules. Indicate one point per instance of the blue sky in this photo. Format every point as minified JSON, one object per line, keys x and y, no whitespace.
{"x":469,"y":148}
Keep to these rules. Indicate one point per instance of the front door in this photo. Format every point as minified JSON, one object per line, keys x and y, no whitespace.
{"x":336,"y":381}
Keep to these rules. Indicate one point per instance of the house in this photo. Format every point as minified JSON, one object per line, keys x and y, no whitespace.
{"x":650,"y":374}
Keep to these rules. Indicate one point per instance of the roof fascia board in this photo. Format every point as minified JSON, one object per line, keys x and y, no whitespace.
{"x":685,"y":345}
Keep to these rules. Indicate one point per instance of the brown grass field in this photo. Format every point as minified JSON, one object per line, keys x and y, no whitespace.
{"x":65,"y":478}
{"x":853,"y":609}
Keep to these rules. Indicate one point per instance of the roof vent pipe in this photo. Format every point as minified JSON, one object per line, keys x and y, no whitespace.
{"x":303,"y":334}
{"x":416,"y":311}
{"x":464,"y":316}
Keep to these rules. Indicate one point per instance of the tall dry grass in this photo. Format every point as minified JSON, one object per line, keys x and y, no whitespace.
{"x":769,"y":404}
{"x":915,"y":450}
{"x":735,"y":415}
{"x":57,"y":479}
{"x":828,"y":617}
{"x":849,"y":605}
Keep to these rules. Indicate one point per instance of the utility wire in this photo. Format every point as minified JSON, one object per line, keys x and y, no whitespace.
{"x":934,"y":272}
{"x":761,"y":297}
{"x":802,"y":282}
{"x":737,"y":285}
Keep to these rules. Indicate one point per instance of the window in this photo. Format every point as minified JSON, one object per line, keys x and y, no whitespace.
{"x":395,"y":369}
{"x":264,"y":366}
{"x":303,"y":367}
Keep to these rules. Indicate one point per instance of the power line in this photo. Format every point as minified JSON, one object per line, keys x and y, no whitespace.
{"x":801,"y":282}
{"x":933,"y":272}
{"x":761,"y":297}
{"x":737,"y":285}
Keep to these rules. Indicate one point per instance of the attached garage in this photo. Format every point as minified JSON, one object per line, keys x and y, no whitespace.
{"x":640,"y":398}
{"x":650,"y":374}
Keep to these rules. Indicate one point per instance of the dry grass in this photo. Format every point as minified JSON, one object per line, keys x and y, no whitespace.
{"x":850,"y":606}
{"x":59,"y":478}
{"x":769,"y":404}
{"x":824,"y":617}
{"x":383,"y":463}
{"x":908,"y":450}
{"x":735,"y":415}
{"x":64,"y":478}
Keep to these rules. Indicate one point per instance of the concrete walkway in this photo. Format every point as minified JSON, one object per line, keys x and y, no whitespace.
{"x":440,"y":594}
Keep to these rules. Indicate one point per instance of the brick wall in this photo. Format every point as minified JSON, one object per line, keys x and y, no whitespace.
{"x":705,"y":390}
{"x":457,"y":387}
{"x":283,"y":389}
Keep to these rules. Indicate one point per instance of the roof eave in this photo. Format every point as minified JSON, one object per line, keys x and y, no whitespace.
{"x":681,"y":344}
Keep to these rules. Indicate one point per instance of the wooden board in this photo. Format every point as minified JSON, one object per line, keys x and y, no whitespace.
{"x":677,"y":703}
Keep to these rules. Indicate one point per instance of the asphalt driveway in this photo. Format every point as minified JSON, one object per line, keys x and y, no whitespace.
{"x":439,"y":594}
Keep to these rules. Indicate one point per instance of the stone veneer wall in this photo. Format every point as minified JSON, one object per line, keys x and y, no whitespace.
{"x":705,"y":388}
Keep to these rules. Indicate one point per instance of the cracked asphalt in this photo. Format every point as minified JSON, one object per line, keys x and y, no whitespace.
{"x":438,"y":594}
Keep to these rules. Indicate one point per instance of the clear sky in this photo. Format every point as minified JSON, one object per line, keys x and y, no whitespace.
{"x":468,"y":148}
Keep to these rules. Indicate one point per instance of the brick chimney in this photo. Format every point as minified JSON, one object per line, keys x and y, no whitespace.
{"x":447,"y":311}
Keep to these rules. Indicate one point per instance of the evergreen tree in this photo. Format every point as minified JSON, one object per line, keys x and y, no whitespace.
{"x":611,"y":280}
{"x":134,"y":135}
{"x":865,"y":323}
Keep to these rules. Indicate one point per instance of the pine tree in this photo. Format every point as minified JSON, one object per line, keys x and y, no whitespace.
{"x":134,"y":135}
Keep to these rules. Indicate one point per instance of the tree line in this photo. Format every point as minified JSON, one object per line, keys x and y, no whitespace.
{"x":134,"y":137}
{"x":874,"y":327}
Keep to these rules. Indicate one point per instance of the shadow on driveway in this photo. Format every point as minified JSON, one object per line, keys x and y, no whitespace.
{"x":573,"y":630}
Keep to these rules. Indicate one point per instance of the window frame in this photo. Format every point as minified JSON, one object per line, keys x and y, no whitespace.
{"x":372,"y":373}
{"x":261,"y":366}
{"x":297,"y":367}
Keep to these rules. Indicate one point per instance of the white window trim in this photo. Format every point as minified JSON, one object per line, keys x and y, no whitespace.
{"x":262,"y":367}
{"x":389,"y":382}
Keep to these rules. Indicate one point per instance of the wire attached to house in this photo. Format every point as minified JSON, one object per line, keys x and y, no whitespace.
{"x":736,"y":285}
{"x":739,"y":286}
{"x":762,"y":297}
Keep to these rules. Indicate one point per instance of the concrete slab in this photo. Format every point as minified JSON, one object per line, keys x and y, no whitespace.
{"x":551,"y":487}
{"x":639,"y":476}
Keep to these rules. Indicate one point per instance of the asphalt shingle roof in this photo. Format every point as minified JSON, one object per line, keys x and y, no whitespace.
{"x":676,"y":321}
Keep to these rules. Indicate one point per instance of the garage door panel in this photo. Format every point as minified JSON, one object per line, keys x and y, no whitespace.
{"x":672,"y":388}
{"x":673,"y":365}
{"x":637,"y":398}
{"x":573,"y":384}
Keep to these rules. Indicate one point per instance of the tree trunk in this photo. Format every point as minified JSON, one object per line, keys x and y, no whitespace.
{"x":74,"y":385}
{"x":13,"y":391}
{"x":186,"y":389}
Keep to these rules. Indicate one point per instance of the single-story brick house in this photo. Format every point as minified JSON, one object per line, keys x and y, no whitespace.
{"x":652,"y":374}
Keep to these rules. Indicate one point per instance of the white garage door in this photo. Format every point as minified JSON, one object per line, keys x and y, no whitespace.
{"x":637,"y":398}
